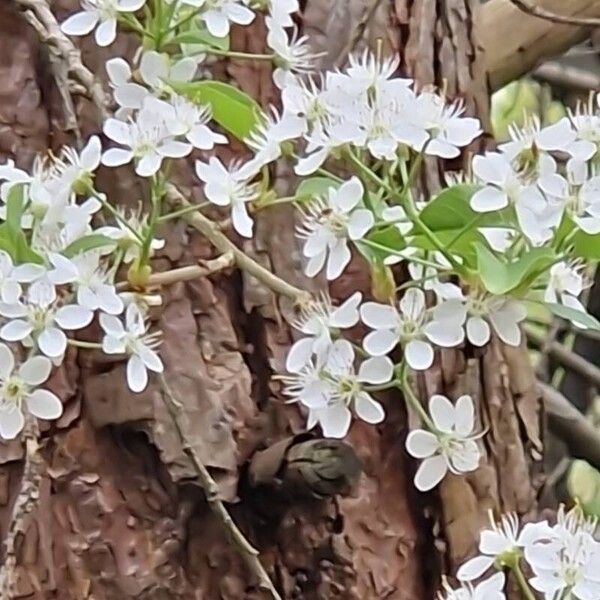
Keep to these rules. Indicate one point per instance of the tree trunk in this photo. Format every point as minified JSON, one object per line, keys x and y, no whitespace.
{"x":120,"y":514}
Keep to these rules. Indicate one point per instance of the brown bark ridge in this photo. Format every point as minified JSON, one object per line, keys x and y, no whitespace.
{"x":120,"y":514}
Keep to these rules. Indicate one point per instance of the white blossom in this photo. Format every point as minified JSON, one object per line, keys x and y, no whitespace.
{"x":503,"y":541}
{"x":490,"y":589}
{"x":281,"y":11}
{"x":328,"y":223}
{"x":133,"y":340}
{"x":38,"y":320}
{"x":19,"y":391}
{"x":451,"y":447}
{"x":317,"y":320}
{"x":88,"y":278}
{"x":412,"y":326}
{"x":147,"y":140}
{"x":218,"y":15}
{"x":332,"y":390}
{"x":565,"y":285}
{"x":292,"y":54}
{"x":10,"y":288}
{"x":101,"y":15}
{"x":123,"y":234}
{"x":229,"y":187}
{"x":76,"y":169}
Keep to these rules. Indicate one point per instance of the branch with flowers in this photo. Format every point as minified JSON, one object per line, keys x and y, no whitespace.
{"x":522,"y":227}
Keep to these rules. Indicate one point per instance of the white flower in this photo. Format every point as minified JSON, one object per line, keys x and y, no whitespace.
{"x":124,"y":237}
{"x":18,"y":391}
{"x":532,"y":137}
{"x":281,"y":11}
{"x":76,"y":169}
{"x":229,"y":187}
{"x":451,"y":447}
{"x":565,"y":563}
{"x":330,"y":387}
{"x":190,"y":121}
{"x":38,"y":320}
{"x":218,"y":14}
{"x":128,"y":94}
{"x":504,"y":315}
{"x":102,"y":15}
{"x":565,"y":285}
{"x":413,"y":326}
{"x":317,"y":320}
{"x":133,"y":340}
{"x":292,"y":55}
{"x":490,"y":589}
{"x":502,"y":541}
{"x":432,"y":126}
{"x":147,"y":141}
{"x":268,"y":137}
{"x":328,"y":223}
{"x":587,"y":134}
{"x":89,"y":280}
{"x":158,"y":69}
{"x":10,"y":288}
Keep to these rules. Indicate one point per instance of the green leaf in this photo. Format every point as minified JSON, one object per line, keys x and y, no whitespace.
{"x":12,"y":237}
{"x":313,"y":187}
{"x":586,"y":245}
{"x":381,"y":243}
{"x":583,"y":483}
{"x":87,"y":243}
{"x":231,"y":108}
{"x":450,"y":209}
{"x":572,"y":314}
{"x":500,"y":277}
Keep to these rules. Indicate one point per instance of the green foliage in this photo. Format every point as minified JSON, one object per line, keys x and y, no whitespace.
{"x":12,"y":237}
{"x":572,"y":314}
{"x":500,"y":277}
{"x":231,"y":108}
{"x":313,"y":187}
{"x":87,"y":243}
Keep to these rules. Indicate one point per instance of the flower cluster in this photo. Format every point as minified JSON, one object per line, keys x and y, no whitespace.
{"x":563,"y":558}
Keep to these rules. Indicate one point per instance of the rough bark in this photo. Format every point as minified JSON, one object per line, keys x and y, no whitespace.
{"x":120,"y":515}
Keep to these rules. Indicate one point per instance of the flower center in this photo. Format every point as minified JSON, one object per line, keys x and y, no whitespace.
{"x":12,"y":392}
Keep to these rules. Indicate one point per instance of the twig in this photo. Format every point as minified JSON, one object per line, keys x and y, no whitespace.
{"x":219,"y":240}
{"x":537,"y":11}
{"x":39,"y":15}
{"x":566,"y":357}
{"x":567,"y":76}
{"x":567,"y":423}
{"x":24,"y":505}
{"x":188,"y":273}
{"x":247,"y":552}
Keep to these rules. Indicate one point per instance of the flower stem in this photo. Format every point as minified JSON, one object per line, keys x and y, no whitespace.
{"x":242,"y":55}
{"x":182,"y":212}
{"x":414,"y":402}
{"x":522,"y":582}
{"x":86,"y":345}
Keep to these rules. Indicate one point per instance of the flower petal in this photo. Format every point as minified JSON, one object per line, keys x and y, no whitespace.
{"x":378,"y":316}
{"x":380,"y":342}
{"x":419,"y":355}
{"x":478,"y":331}
{"x":421,"y":443}
{"x":335,"y":420}
{"x":80,"y":23}
{"x":11,"y":423}
{"x":431,"y":471}
{"x":106,"y":32}
{"x":413,"y":303}
{"x":346,"y":315}
{"x":444,"y":333}
{"x":137,"y":376}
{"x":44,"y":404}
{"x":376,"y":370}
{"x":338,"y":259}
{"x":73,"y":316}
{"x":15,"y":331}
{"x":35,"y":370}
{"x":464,"y":415}
{"x":368,"y":409}
{"x":7,"y":362}
{"x":475,"y":568}
{"x":52,"y":342}
{"x":489,"y":199}
{"x":442,"y":412}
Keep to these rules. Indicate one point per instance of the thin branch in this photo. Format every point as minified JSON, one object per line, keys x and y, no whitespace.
{"x":567,"y":423}
{"x":38,"y":14}
{"x":567,"y":76}
{"x":567,"y":358}
{"x":247,"y":552}
{"x":537,"y":11}
{"x":188,"y":273}
{"x":515,"y":43}
{"x":25,"y":503}
{"x":219,"y":240}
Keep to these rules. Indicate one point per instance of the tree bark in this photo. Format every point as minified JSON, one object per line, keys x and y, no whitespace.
{"x":120,"y":514}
